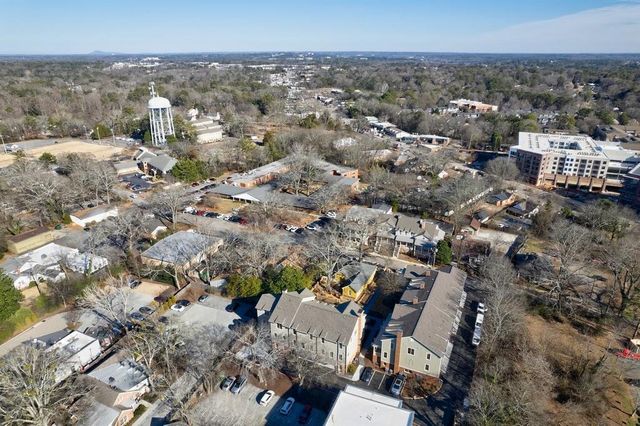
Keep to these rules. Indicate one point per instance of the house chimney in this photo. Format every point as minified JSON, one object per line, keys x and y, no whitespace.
{"x":398,"y":351}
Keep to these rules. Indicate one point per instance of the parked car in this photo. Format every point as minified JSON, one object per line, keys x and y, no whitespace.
{"x":163,"y":320}
{"x":183,"y":302}
{"x":287,"y":406}
{"x":240,"y":382}
{"x":203,"y":298}
{"x":133,"y":282}
{"x":293,"y":229}
{"x":227,"y":383}
{"x":331,"y":215}
{"x":267,"y":397}
{"x":305,"y":415}
{"x":211,"y":214}
{"x":367,"y":375}
{"x":178,"y":307}
{"x":398,"y":384}
{"x":482,"y":309}
{"x":313,"y":227}
{"x":299,"y":231}
{"x":146,"y":310}
{"x":136,"y":316}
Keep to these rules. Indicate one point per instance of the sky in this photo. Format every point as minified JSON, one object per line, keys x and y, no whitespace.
{"x":182,"y":26}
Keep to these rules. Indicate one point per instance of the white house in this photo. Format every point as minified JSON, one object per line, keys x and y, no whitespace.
{"x":93,"y":215}
{"x":44,"y":264}
{"x":77,"y":350}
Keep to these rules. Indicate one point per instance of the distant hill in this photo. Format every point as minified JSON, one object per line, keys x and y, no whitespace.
{"x":103,"y":53}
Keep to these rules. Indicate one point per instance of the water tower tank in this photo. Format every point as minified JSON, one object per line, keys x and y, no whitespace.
{"x":160,"y":117}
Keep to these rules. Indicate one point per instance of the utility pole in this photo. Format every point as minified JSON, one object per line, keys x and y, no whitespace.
{"x":3,"y":145}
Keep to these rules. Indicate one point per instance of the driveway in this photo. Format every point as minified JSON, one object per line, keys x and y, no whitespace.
{"x":243,"y":409}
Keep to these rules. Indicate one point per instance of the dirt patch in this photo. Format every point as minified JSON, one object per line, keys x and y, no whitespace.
{"x":101,"y":152}
{"x":556,"y":337}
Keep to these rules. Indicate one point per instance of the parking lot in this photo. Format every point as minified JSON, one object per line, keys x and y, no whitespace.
{"x":211,"y":312}
{"x":243,"y":409}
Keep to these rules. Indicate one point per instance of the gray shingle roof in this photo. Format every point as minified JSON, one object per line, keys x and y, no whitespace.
{"x":357,"y":274}
{"x":430,"y":320}
{"x":301,"y":312}
{"x":180,"y":248}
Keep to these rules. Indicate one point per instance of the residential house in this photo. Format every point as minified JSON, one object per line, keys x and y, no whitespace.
{"x":469,"y":106}
{"x":355,"y":278}
{"x":156,"y":165}
{"x":117,"y":387}
{"x":332,"y":332}
{"x":181,"y":251}
{"x":76,"y":350}
{"x":383,"y":207}
{"x":355,"y":406}
{"x":618,"y":133}
{"x":207,"y":130}
{"x":501,"y":199}
{"x":402,"y":234}
{"x":418,"y":335}
{"x":524,"y":208}
{"x":93,"y":215}
{"x":28,"y":240}
{"x":126,"y":167}
{"x":45,"y":264}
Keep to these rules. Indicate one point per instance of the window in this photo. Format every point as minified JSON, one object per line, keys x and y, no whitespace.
{"x":323,"y":340}
{"x":426,"y":367}
{"x":331,"y":354}
{"x":411,"y":351}
{"x":310,"y":337}
{"x":384,"y":355}
{"x":295,"y":332}
{"x":340,"y":357}
{"x":428,"y":356}
{"x":280,"y":326}
{"x":340,"y":345}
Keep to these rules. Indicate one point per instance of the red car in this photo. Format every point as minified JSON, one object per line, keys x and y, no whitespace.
{"x":200,"y":213}
{"x":305,"y":415}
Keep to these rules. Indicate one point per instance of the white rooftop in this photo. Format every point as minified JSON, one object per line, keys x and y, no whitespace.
{"x":356,"y":406}
{"x":565,"y":144}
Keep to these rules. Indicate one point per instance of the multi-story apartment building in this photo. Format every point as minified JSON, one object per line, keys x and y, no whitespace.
{"x":575,"y":161}
{"x":417,"y":336}
{"x":332,"y":332}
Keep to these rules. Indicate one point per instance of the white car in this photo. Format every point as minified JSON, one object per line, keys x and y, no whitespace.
{"x":312,"y":227}
{"x":287,"y":406}
{"x":331,"y":215}
{"x":482,"y":309}
{"x":178,"y":307}
{"x":267,"y":397}
{"x":293,"y":229}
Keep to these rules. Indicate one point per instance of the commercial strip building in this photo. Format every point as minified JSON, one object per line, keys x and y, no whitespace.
{"x":417,"y":336}
{"x":575,"y":161}
{"x":355,"y":406}
{"x":332,"y":332}
{"x":93,"y":215}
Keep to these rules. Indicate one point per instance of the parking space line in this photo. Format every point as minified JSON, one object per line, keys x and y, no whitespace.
{"x":384,"y":376}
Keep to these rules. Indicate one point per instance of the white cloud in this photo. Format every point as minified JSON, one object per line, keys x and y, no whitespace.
{"x":613,"y":29}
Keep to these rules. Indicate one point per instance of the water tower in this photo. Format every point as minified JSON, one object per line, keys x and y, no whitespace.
{"x":160,"y":117}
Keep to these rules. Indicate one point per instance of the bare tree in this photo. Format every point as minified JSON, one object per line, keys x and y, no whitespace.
{"x":331,"y":248}
{"x":169,"y":202}
{"x":505,"y":312}
{"x":254,"y":352}
{"x":111,"y":300}
{"x":622,"y":258}
{"x":503,"y":168}
{"x":30,"y":393}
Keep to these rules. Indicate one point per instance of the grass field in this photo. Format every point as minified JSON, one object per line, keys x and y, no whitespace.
{"x":101,"y":152}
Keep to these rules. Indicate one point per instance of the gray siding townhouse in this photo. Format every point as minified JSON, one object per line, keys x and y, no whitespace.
{"x":417,"y":336}
{"x":332,"y":332}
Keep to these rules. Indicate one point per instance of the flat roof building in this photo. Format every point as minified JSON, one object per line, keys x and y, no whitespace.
{"x":355,"y":406}
{"x":578,"y":161}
